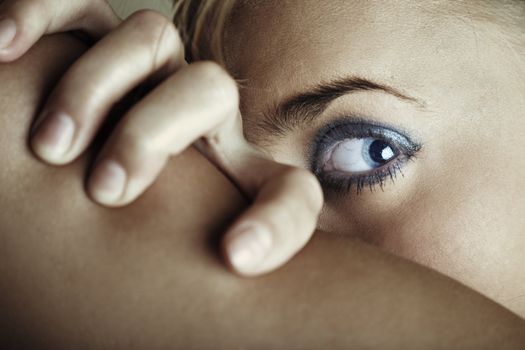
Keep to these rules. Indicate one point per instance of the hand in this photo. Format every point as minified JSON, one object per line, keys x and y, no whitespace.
{"x":196,"y":102}
{"x":23,"y":22}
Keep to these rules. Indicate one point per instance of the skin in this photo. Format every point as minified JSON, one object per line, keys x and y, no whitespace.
{"x":487,"y":252}
{"x":457,"y":208}
{"x":146,"y":48}
{"x":27,"y":21}
{"x":77,"y":275}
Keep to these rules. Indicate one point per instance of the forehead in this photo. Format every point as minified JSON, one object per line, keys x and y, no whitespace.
{"x":284,"y":43}
{"x":425,"y":49}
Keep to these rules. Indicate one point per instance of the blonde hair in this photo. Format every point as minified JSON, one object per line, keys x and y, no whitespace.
{"x":201,"y":25}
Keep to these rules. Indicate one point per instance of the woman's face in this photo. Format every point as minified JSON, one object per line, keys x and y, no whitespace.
{"x":411,"y":115}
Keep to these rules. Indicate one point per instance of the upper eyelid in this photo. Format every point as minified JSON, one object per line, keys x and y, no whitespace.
{"x":361,"y":125}
{"x":362,"y":122}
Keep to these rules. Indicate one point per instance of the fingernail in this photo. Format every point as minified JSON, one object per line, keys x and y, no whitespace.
{"x":7,"y":32}
{"x":249,"y":246}
{"x":54,"y":137}
{"x":107,"y":182}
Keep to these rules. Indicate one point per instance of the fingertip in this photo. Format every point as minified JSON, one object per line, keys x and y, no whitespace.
{"x":247,"y":247}
{"x":53,"y":138}
{"x":8,"y":31}
{"x":107,"y":183}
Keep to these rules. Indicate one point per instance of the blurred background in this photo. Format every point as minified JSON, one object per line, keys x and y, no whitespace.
{"x":125,"y":7}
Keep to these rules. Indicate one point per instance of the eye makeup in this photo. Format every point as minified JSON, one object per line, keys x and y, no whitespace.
{"x":351,"y":154}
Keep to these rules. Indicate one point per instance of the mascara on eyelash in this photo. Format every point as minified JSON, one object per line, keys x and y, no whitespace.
{"x":346,"y":128}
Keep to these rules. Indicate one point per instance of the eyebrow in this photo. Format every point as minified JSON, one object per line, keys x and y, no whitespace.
{"x":304,"y":107}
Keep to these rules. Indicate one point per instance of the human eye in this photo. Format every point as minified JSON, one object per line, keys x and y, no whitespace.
{"x":356,"y":154}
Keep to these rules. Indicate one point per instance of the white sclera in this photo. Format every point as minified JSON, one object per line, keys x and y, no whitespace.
{"x":348,"y":156}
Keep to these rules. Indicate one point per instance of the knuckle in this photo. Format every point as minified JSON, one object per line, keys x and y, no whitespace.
{"x":149,"y":20}
{"x":100,"y":8}
{"x":152,"y":25}
{"x":173,"y":36}
{"x":220,"y":86}
{"x":132,"y":141}
{"x":158,"y":34}
{"x":99,"y":3}
{"x":32,"y":9}
{"x":102,"y":4}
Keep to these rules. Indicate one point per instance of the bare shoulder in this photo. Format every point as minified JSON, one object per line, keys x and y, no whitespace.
{"x":24,"y":85}
{"x":62,"y":256}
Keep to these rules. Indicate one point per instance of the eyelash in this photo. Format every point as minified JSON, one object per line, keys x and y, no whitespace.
{"x":356,"y":128}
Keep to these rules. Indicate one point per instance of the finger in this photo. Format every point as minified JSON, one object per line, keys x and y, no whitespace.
{"x":145,"y":44}
{"x":24,"y":22}
{"x":278,"y":224}
{"x":194,"y":102}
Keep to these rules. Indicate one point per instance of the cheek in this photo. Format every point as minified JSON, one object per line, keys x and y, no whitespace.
{"x":468,"y":233}
{"x":453,"y":230}
{"x":464,"y":219}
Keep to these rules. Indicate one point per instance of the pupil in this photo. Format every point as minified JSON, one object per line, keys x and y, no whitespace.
{"x":380,"y":152}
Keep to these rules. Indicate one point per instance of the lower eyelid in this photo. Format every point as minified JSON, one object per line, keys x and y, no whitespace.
{"x":345,"y":184}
